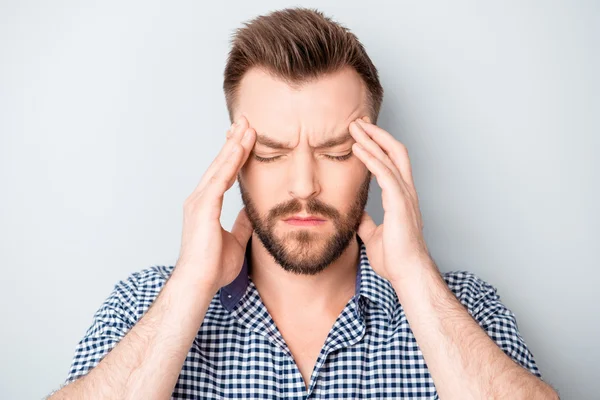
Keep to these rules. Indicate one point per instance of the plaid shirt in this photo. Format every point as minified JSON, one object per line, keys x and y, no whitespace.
{"x":238,"y":352}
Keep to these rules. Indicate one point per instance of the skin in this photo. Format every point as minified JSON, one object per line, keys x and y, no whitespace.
{"x":305,"y":274}
{"x":303,"y":271}
{"x":313,"y":282}
{"x":464,"y":362}
{"x":295,"y":269}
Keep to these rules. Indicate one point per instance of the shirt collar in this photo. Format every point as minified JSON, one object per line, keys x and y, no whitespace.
{"x":368,"y":284}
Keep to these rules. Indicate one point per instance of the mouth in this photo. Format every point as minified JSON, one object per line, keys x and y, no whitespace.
{"x":304,"y":221}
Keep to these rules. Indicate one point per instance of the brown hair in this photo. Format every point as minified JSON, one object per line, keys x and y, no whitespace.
{"x":298,"y":45}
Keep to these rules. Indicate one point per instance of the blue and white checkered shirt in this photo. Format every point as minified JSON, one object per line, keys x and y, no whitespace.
{"x":238,"y":353}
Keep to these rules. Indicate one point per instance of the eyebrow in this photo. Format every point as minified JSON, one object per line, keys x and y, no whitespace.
{"x":274,"y":144}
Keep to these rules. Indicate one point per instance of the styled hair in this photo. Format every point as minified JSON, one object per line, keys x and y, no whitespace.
{"x":298,"y":45}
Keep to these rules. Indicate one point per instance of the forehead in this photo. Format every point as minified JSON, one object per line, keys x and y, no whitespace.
{"x":321,"y":108}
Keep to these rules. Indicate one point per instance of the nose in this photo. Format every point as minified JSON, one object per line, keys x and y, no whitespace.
{"x":303,"y":176}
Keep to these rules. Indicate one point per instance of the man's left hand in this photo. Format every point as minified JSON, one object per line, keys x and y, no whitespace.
{"x":396,"y":248}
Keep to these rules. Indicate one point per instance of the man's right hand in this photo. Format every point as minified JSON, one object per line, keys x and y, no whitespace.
{"x":209,"y":254}
{"x":146,"y":361}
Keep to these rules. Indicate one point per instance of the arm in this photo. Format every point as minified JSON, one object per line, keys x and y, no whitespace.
{"x":463,"y":360}
{"x":147,"y":361}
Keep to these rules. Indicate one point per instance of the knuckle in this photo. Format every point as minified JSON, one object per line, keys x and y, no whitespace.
{"x":216,"y":182}
{"x":213,"y":180}
{"x":402,"y":149}
{"x":388,"y":172}
{"x":189,"y":202}
{"x":234,"y":146}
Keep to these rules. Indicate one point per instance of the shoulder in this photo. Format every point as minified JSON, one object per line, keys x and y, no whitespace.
{"x":149,"y":279}
{"x":120,"y":311}
{"x":471,"y":290}
{"x":140,"y":288}
{"x":483,"y":302}
{"x":466,"y":284}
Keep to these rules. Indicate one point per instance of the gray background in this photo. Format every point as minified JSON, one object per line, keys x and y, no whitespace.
{"x":110,"y":112}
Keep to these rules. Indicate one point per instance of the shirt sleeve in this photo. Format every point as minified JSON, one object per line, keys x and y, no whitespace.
{"x":115,"y":317}
{"x":483,"y":303}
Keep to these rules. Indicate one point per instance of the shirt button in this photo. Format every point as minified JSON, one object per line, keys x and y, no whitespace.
{"x":228,"y":296}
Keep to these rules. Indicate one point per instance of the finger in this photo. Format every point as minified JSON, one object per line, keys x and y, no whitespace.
{"x":216,"y":186}
{"x":396,"y":151}
{"x":231,"y":130}
{"x":236,"y":124}
{"x":242,"y":228}
{"x":367,"y":227}
{"x":390,"y":186}
{"x":414,"y":191}
{"x":225,"y":176}
{"x":234,"y":136}
{"x":361,"y":137}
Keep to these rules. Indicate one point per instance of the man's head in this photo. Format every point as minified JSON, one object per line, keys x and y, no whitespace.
{"x":300,"y":79}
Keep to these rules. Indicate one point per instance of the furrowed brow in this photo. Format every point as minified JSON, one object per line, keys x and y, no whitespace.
{"x":274,"y":144}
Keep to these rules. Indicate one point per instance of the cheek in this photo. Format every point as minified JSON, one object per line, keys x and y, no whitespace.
{"x":341,"y":185}
{"x":257,"y":178}
{"x":262,"y":186}
{"x":348,"y":175}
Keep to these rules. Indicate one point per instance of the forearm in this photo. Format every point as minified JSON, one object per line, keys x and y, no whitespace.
{"x":148,"y":359}
{"x":463,"y":360}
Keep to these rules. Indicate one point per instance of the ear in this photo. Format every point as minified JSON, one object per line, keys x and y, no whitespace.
{"x":366,"y":119}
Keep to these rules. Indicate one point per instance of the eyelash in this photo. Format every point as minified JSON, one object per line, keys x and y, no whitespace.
{"x":336,"y":158}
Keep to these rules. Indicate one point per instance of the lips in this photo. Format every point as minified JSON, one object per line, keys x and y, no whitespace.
{"x":298,"y":218}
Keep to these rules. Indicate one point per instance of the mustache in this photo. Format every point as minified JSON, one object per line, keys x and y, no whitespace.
{"x":313,"y":207}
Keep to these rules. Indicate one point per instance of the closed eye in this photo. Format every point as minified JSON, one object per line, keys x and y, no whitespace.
{"x":336,"y":158}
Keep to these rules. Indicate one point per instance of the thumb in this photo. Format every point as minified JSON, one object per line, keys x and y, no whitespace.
{"x":366,"y":228}
{"x":242,"y":228}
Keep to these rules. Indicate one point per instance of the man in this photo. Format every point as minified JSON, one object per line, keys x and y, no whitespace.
{"x":306,"y":297}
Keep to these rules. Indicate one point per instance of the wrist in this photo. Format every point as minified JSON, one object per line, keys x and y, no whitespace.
{"x":415,"y":271}
{"x":198,"y":283}
{"x":420,"y":279}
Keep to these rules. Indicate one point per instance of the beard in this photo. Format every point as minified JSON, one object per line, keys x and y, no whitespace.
{"x":302,"y":251}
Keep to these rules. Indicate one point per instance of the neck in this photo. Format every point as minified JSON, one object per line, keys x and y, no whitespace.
{"x":286,"y":293}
